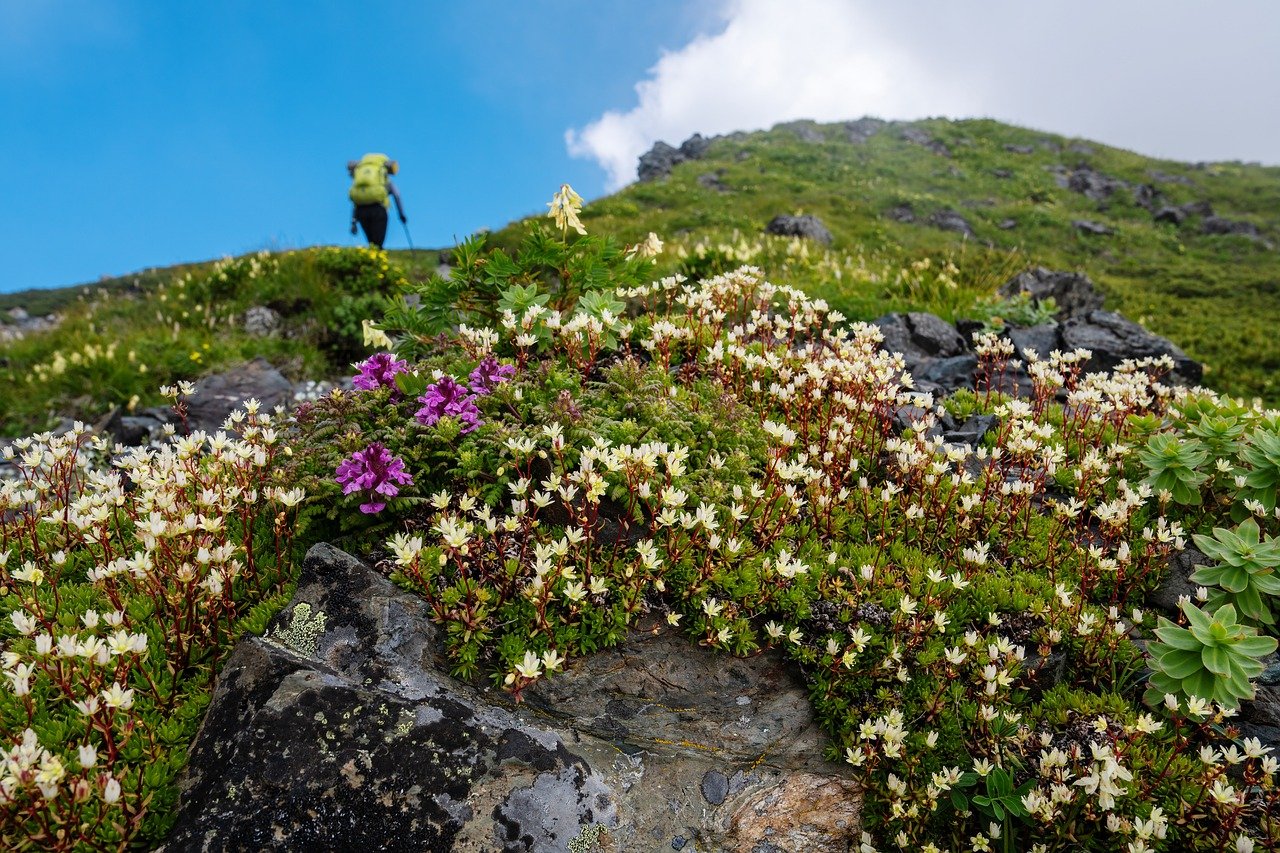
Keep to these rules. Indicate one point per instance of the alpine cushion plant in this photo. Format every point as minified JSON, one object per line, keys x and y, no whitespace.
{"x":488,"y":374}
{"x":1214,"y":659}
{"x":375,"y":472}
{"x":379,"y":371}
{"x":1262,"y":477}
{"x":1245,"y":573}
{"x":447,"y":398}
{"x":1173,"y":463}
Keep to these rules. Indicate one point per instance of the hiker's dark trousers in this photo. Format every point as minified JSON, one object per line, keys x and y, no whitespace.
{"x":373,"y":219}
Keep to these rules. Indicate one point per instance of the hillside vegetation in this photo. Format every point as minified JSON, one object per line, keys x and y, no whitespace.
{"x":992,"y":600}
{"x":889,"y":193}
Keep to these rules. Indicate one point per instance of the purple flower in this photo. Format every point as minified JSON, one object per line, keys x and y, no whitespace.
{"x":379,"y":371}
{"x":488,"y":373}
{"x":447,"y":398}
{"x":375,"y":471}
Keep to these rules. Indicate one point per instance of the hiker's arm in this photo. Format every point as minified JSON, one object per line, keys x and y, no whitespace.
{"x":353,"y":219}
{"x":395,"y":193}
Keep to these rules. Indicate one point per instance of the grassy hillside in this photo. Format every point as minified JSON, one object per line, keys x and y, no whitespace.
{"x":1213,"y":294}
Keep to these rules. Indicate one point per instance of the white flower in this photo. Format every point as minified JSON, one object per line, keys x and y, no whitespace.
{"x":530,"y":667}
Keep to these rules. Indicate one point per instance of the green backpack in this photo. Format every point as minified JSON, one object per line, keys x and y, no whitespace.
{"x":370,"y":184}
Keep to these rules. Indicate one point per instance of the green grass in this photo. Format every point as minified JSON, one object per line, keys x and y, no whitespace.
{"x":1215,"y":296}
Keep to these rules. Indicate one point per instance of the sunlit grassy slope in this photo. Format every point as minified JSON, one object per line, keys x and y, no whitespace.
{"x":1217,"y":296}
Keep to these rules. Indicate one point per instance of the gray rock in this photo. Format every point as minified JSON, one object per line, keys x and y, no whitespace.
{"x":714,"y":787}
{"x":261,"y":321}
{"x":1166,"y":178}
{"x":1093,"y":185}
{"x":1147,"y":196}
{"x":340,"y":730}
{"x":1081,"y":148}
{"x":713,"y":182}
{"x":919,"y":336}
{"x":658,"y":162}
{"x":972,"y":431}
{"x":1072,"y":292}
{"x":1222,"y":225}
{"x":901,"y":213}
{"x":934,"y":335}
{"x":1007,"y":224}
{"x":1003,"y":174}
{"x":1044,"y":339}
{"x":922,"y":137}
{"x":18,"y":314}
{"x":1113,"y":338}
{"x":1198,"y":208}
{"x":806,"y":130}
{"x":951,"y":373}
{"x":134,"y":430}
{"x":1178,"y":581}
{"x":219,"y":395}
{"x":1020,"y":149}
{"x":1170,"y":214}
{"x":863,"y":129}
{"x":950,"y":220}
{"x":807,"y":226}
{"x":695,"y":146}
{"x":1086,"y":226}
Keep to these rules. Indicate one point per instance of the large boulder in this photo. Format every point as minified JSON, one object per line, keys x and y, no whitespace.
{"x":1113,"y":339}
{"x":808,"y":226}
{"x":919,"y":336}
{"x":219,"y":395}
{"x":863,"y":129}
{"x":1072,"y":292}
{"x":340,"y":730}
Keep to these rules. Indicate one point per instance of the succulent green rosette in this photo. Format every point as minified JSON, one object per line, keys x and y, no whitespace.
{"x":1245,"y":574}
{"x":1215,"y":658}
{"x":1173,"y":464}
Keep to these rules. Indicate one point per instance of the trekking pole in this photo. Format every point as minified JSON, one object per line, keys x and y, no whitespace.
{"x":405,"y":226}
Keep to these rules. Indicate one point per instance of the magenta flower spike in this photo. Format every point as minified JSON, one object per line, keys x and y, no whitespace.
{"x":379,"y":371}
{"x":376,"y":471}
{"x":489,"y":373}
{"x":446,"y":398}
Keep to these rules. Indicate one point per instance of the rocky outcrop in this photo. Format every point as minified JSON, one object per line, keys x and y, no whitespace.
{"x":1113,"y":339}
{"x":17,"y":324}
{"x":806,"y":130}
{"x":1093,"y":184}
{"x":219,"y":395}
{"x":863,"y":129}
{"x":1072,"y":292}
{"x":339,"y":730}
{"x":807,"y":226}
{"x":1222,"y":225}
{"x":659,"y":160}
{"x":920,"y":136}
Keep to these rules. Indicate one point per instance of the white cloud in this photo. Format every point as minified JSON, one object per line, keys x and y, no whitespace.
{"x":773,"y":61}
{"x":1170,"y":79}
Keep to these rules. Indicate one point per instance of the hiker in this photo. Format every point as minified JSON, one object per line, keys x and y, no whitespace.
{"x":370,"y":187}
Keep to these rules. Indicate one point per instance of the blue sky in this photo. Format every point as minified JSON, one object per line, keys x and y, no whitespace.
{"x":140,"y":134}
